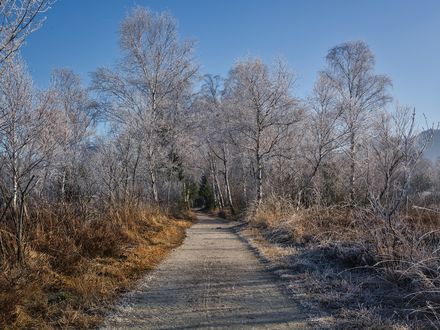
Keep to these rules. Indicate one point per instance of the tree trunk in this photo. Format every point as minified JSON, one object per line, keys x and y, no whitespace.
{"x":20,"y":222}
{"x":133,"y":174}
{"x":258,"y":158}
{"x":63,"y":186}
{"x":154,"y":186}
{"x":228,"y":188}
{"x":244,"y":187}
{"x":185,"y":194}
{"x":259,"y":180}
{"x":214,"y":190}
{"x":15,"y":192}
{"x":352,"y":166}
{"x":220,"y":194}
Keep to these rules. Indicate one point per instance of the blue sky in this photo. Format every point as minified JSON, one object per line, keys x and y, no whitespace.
{"x":404,"y":35}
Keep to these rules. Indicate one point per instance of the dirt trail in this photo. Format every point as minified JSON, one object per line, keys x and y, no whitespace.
{"x":212,"y":281}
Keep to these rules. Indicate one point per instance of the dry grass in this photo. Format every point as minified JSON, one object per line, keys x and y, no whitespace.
{"x":352,"y":265}
{"x":75,"y":265}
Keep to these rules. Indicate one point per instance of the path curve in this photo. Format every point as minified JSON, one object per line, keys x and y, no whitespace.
{"x":212,"y":281}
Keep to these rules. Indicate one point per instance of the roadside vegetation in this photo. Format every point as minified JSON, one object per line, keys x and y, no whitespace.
{"x":75,"y":266}
{"x":346,"y":268}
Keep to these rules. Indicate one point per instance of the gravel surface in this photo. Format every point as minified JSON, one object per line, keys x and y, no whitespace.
{"x":212,"y":281}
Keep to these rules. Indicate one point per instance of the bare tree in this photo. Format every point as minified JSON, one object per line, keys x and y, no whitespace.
{"x":397,"y":149}
{"x":150,"y":84}
{"x":262,"y":107}
{"x":359,"y":92}
{"x":75,"y":115}
{"x":217,"y":129}
{"x":24,"y":137}
{"x":323,"y":134}
{"x":19,"y":18}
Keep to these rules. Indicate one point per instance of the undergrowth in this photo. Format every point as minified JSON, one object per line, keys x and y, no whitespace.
{"x":76,"y":264}
{"x":354,"y":265}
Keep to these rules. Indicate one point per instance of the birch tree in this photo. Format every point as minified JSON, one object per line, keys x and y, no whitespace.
{"x":18,"y":19}
{"x":359,"y":91}
{"x":75,"y":115}
{"x":24,"y":135}
{"x":151,"y":82}
{"x":397,"y":148}
{"x":322,"y":134}
{"x":217,"y":130}
{"x":262,"y":112}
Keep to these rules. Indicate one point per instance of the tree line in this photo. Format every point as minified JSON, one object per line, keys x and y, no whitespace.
{"x":151,"y":130}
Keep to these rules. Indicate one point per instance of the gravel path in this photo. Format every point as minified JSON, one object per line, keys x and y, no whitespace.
{"x":212,"y":281}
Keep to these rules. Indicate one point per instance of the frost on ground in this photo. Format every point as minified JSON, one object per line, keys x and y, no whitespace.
{"x":340,"y":297}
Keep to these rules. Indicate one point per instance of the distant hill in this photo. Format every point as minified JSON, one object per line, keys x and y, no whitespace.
{"x":432,"y":151}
